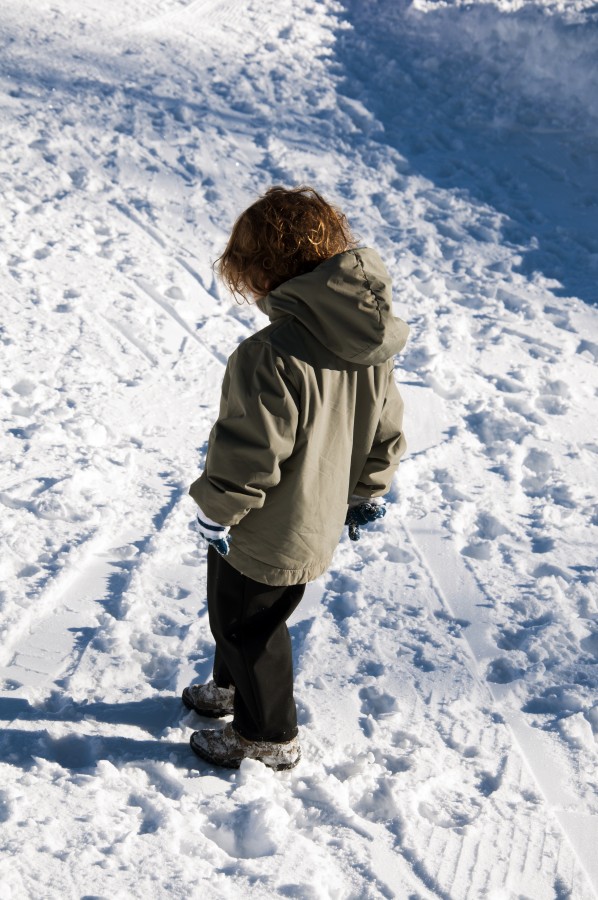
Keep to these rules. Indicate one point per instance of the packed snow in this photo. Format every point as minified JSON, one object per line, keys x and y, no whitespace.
{"x":447,"y":664}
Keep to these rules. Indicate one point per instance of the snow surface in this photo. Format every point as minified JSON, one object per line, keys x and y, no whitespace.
{"x":446,"y":666}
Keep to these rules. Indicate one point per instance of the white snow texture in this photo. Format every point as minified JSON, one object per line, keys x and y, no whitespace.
{"x":447,"y":664}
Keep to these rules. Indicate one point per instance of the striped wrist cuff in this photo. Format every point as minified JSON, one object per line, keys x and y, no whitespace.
{"x":212,"y":527}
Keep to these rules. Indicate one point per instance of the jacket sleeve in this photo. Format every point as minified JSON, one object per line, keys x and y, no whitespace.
{"x":388,"y":446}
{"x":254,"y":434}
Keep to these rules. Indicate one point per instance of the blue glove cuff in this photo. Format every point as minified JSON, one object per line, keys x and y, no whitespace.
{"x":216,"y":535}
{"x":221,"y":545}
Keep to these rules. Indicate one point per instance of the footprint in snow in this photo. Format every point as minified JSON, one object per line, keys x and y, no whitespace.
{"x":558,"y":317}
{"x":447,"y":806}
{"x":488,"y":529}
{"x":453,"y":626}
{"x":540,"y":481}
{"x":377,"y":703}
{"x":590,"y":349}
{"x":540,"y":466}
{"x":549,"y":570}
{"x":396,"y":554}
{"x":554,"y":397}
{"x":478,"y":550}
{"x":369,"y":667}
{"x":503,"y":671}
{"x":516,"y":638}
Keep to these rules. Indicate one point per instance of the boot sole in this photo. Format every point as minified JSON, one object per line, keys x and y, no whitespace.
{"x":235,"y":763}
{"x":208,"y":713}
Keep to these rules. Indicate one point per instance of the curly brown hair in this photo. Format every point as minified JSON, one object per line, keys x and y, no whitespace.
{"x":287,"y":232}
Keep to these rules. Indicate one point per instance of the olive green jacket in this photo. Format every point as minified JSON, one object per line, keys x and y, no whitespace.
{"x":310,"y":414}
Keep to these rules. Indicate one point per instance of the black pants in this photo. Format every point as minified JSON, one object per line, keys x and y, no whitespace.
{"x":253,"y":649}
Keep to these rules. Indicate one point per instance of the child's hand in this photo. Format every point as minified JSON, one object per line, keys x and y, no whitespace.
{"x":214,"y":534}
{"x":362,"y":512}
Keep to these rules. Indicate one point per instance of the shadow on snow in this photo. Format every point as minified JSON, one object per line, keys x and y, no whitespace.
{"x":20,"y":747}
{"x":499,"y":106}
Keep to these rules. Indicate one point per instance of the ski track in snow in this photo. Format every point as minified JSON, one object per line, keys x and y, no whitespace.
{"x":446,"y":665}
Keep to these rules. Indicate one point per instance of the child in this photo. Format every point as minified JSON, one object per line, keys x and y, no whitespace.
{"x":308,"y":437}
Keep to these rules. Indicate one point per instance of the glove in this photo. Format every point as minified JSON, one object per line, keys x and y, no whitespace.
{"x":362,"y":512}
{"x":213,"y":533}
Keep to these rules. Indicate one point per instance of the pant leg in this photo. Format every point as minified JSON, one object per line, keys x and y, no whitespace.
{"x":253,"y":649}
{"x":220,"y":673}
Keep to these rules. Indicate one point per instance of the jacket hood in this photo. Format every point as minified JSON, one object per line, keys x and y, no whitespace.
{"x":346,"y":304}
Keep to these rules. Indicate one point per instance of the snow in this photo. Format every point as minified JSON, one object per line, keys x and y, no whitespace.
{"x":446,"y":666}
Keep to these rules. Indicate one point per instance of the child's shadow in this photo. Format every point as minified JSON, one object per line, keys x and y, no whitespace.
{"x":22,"y":746}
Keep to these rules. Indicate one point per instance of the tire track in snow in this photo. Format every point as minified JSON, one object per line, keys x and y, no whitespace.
{"x":129,"y":214}
{"x":155,"y":295}
{"x":46,"y":603}
{"x":65,"y":607}
{"x":46,"y":641}
{"x":447,"y":817}
{"x":460,"y":596}
{"x":393,"y":834}
{"x":45,"y":644}
{"x":175,"y":253}
{"x":128,"y":336}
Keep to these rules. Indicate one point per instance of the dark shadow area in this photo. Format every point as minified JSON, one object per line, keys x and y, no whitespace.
{"x":153,"y":714}
{"x":19,"y":747}
{"x":203,"y":669}
{"x":299,"y":632}
{"x":501,"y":108}
{"x":175,"y":492}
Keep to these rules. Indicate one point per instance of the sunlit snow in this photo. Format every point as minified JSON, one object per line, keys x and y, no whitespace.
{"x":447,"y":665}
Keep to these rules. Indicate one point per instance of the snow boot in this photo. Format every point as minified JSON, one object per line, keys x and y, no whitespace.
{"x":226,"y":747}
{"x":209,"y":699}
